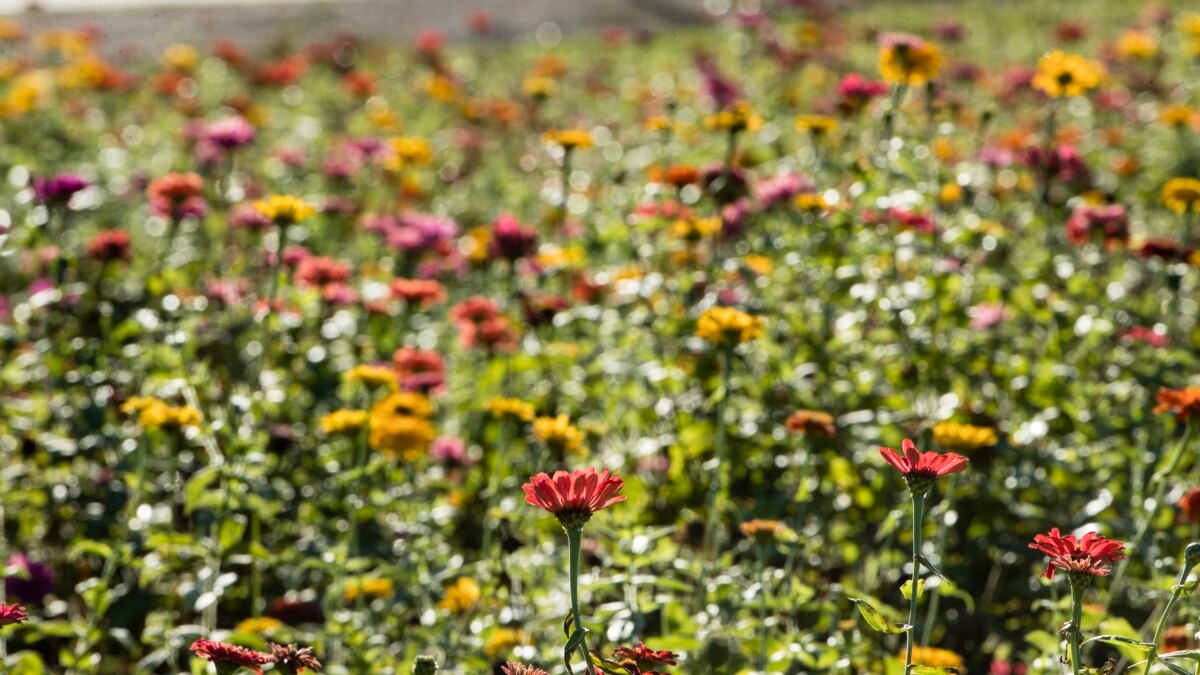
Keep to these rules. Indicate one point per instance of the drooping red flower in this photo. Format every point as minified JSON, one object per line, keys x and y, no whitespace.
{"x":294,"y":660}
{"x":223,"y":652}
{"x":928,"y":465}
{"x":14,"y":613}
{"x":574,"y":497}
{"x":645,"y":657}
{"x":1092,"y":554}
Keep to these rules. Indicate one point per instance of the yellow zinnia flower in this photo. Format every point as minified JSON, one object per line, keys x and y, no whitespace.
{"x":569,"y":139}
{"x":1061,"y":74}
{"x":343,"y":421}
{"x":258,"y":625}
{"x":1136,"y":44}
{"x":159,"y":415}
{"x":284,"y":209}
{"x":908,"y":60}
{"x":559,"y":435}
{"x":935,"y":657}
{"x":729,"y":326}
{"x":510,"y":407}
{"x":370,"y":588}
{"x":1182,"y":195}
{"x":817,"y":125}
{"x":460,"y":595}
{"x":502,"y":641}
{"x":741,"y":117}
{"x":955,"y":436}
{"x":410,"y":150}
{"x":374,"y":376}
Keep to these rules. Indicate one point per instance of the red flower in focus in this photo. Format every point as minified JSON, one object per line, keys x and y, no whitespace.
{"x":645,"y":657}
{"x":1183,"y":402}
{"x":574,"y":497}
{"x":10,"y":614}
{"x":222,"y":652}
{"x":1090,"y":555}
{"x":923,"y":465}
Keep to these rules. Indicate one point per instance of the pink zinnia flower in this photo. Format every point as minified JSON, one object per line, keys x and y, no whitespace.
{"x":574,"y":497}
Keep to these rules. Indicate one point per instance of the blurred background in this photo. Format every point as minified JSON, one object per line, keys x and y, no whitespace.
{"x":146,"y":26}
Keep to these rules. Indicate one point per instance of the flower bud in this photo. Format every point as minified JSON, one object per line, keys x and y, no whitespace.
{"x":425,"y":665}
{"x":1191,"y":554}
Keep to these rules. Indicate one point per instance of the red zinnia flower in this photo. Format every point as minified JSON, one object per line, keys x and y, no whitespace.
{"x":223,"y":652}
{"x":1189,"y":506}
{"x":1183,"y":402}
{"x":511,"y":668}
{"x":574,"y":497}
{"x":927,"y":465}
{"x":1090,"y":555}
{"x":645,"y":657}
{"x":10,"y":614}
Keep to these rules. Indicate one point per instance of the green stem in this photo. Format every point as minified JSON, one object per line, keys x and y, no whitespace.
{"x":574,"y":541}
{"x":762,"y":607}
{"x":1166,"y":614}
{"x":934,"y":596}
{"x":918,"y":503}
{"x":717,"y":489}
{"x":1076,"y":619}
{"x":1160,"y":480}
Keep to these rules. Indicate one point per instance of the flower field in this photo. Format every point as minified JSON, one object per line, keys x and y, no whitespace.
{"x":817,"y":339}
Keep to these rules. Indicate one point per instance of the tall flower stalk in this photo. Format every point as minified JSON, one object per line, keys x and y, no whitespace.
{"x":573,"y":498}
{"x":1191,"y":555}
{"x":920,"y":471}
{"x":1082,"y":559}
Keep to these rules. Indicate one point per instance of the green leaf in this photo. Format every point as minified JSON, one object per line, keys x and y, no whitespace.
{"x":1186,"y":588}
{"x":876,"y":620}
{"x":89,"y":547}
{"x":233,"y":528}
{"x":26,"y":663}
{"x":197,"y":486}
{"x":567,"y":622}
{"x":572,"y":644}
{"x":1120,"y":640}
{"x":906,"y":589}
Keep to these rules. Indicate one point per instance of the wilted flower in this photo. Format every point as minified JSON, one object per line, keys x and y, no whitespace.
{"x":293,"y":660}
